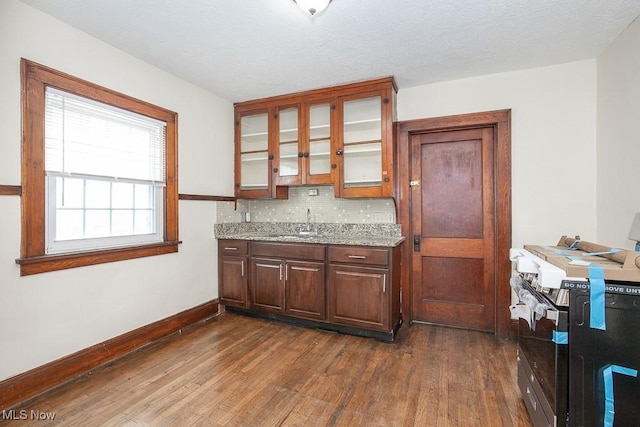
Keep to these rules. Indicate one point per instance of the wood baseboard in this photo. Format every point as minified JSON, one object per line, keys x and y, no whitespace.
{"x":29,"y":384}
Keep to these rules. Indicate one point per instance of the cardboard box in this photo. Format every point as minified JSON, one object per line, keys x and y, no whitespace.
{"x":572,"y":261}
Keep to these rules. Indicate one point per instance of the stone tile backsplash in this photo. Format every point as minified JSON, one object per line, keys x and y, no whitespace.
{"x":324,"y":207}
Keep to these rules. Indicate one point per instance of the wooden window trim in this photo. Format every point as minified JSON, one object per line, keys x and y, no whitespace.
{"x":35,"y":79}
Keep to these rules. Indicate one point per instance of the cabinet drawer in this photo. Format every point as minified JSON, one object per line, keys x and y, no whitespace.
{"x":233,"y":247}
{"x":359,"y":255}
{"x":288,"y":250}
{"x":529,"y":394}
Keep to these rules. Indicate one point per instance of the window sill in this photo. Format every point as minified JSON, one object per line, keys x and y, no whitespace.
{"x":45,"y":263}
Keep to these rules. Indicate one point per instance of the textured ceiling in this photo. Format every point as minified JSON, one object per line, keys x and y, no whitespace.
{"x":246,"y":49}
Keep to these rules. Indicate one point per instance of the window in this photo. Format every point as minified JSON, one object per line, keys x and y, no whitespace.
{"x":99,"y":174}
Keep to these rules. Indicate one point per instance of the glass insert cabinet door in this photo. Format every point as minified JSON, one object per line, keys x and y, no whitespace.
{"x":254,"y":152}
{"x":362,"y":142}
{"x":288,"y":142}
{"x":319,"y":132}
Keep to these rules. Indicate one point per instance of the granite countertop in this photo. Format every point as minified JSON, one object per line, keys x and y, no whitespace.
{"x":386,"y":235}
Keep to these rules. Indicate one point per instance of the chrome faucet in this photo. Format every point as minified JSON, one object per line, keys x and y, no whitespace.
{"x":308,"y":230}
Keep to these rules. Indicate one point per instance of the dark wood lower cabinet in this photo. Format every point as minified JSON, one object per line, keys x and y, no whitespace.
{"x":305,"y":289}
{"x":364,"y":287}
{"x":351,"y":289}
{"x":358,"y":296}
{"x":233,"y":271}
{"x":267,"y":291}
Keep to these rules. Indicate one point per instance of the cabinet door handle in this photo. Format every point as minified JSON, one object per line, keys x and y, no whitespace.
{"x":339,"y":152}
{"x":280,"y":270}
{"x":242,"y":269}
{"x":306,"y":154}
{"x":300,"y":154}
{"x":286,"y":272}
{"x":357,"y":257}
{"x":230,"y":249}
{"x":384,"y":283}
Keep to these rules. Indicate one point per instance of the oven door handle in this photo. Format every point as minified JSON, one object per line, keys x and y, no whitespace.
{"x":533,"y":401}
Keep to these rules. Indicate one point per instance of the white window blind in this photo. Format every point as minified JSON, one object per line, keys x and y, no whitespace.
{"x":105,"y":172}
{"x":85,"y":137}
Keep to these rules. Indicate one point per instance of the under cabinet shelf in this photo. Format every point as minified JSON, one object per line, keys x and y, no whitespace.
{"x":253,"y":135}
{"x":363,"y":183}
{"x":362,"y":151}
{"x":319,"y":127}
{"x":363,"y":122}
{"x":255,"y":159}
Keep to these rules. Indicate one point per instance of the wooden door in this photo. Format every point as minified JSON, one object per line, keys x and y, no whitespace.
{"x":305,"y":289}
{"x":452,"y":198}
{"x":267,"y":285}
{"x":358,"y":296}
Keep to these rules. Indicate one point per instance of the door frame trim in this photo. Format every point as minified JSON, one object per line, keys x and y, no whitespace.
{"x":500,"y":120}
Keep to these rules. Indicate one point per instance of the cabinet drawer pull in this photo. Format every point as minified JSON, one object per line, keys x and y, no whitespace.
{"x":357,"y":256}
{"x":305,"y":269}
{"x":230,"y":249}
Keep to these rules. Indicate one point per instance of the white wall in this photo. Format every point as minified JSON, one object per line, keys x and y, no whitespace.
{"x":47,"y":316}
{"x":619,"y":138}
{"x":553,"y":141}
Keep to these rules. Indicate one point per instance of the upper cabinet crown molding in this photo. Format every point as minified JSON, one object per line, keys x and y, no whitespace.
{"x":341,"y":135}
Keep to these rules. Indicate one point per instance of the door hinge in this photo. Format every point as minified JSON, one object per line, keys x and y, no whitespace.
{"x":414,"y":183}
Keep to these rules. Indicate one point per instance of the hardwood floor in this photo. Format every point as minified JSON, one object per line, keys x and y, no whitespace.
{"x":239,"y":371}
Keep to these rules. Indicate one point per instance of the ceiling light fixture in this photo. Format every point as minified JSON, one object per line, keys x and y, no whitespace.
{"x":312,"y":7}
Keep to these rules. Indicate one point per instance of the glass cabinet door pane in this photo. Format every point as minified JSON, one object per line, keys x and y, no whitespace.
{"x":363,"y":165}
{"x":320,"y":139}
{"x":363,"y":120}
{"x":254,"y":171}
{"x":288,"y":140}
{"x":254,"y":134}
{"x":362,"y":141}
{"x":288,"y":159}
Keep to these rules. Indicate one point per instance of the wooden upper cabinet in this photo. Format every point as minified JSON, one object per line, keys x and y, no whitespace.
{"x":364,"y":148}
{"x":340,"y":136}
{"x":319,"y":123}
{"x":253,"y":153}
